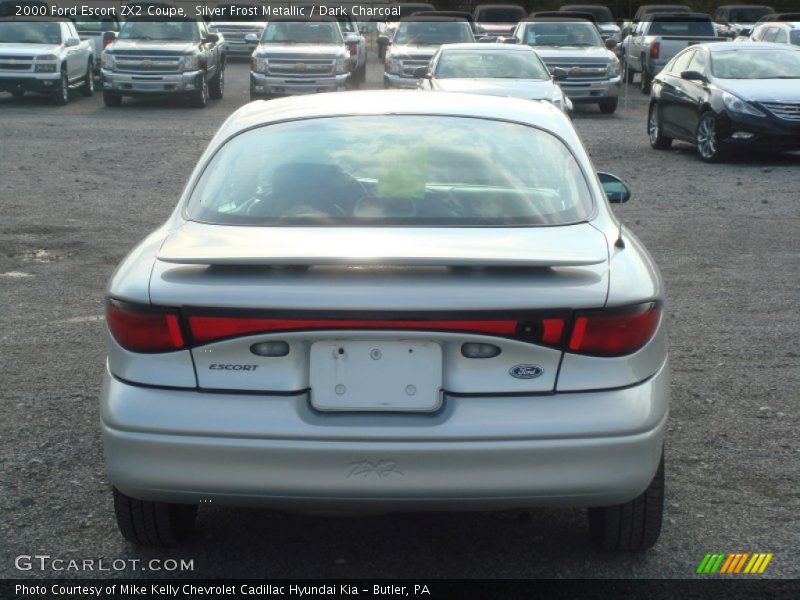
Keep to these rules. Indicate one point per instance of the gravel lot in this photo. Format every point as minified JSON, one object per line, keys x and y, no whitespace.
{"x":81,"y":184}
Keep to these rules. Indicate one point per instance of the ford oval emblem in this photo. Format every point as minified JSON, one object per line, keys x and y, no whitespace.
{"x":526,"y":371}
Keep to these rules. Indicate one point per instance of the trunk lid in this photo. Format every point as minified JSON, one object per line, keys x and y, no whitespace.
{"x":410,"y":282}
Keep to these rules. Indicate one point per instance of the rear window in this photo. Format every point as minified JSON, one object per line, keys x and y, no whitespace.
{"x":433,"y":33}
{"x":750,"y":14}
{"x":688,"y":28}
{"x":600,"y":13}
{"x":500,"y":15}
{"x":491,"y":64}
{"x":420,"y":171}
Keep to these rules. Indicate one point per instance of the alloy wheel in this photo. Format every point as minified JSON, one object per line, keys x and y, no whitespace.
{"x":707,"y":138}
{"x":652,"y":126}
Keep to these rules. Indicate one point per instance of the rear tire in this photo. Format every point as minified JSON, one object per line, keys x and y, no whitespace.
{"x":87,"y":89}
{"x":609,"y":106}
{"x":645,"y":81}
{"x":111,"y":99}
{"x":627,"y":74}
{"x":657,"y":140}
{"x":148,"y":523}
{"x":633,"y":526}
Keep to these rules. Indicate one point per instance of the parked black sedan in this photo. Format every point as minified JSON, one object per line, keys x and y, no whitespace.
{"x":721,"y":95}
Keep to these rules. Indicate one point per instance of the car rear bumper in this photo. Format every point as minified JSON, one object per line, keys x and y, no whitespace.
{"x":580,"y":449}
{"x":132,"y":85}
{"x":266,"y":85}
{"x":585,"y":92}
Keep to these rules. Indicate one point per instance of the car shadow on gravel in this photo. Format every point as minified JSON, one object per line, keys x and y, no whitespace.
{"x":742,"y":157}
{"x":259,"y":543}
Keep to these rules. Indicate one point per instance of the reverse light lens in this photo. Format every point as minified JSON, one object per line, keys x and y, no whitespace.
{"x":271,"y":349}
{"x":614,"y":333}
{"x":141,"y":328}
{"x":737,"y":105}
{"x":478,"y":350}
{"x":655,"y":50}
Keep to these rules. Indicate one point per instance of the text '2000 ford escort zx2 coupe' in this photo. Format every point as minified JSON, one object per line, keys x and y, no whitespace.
{"x":448,"y":316}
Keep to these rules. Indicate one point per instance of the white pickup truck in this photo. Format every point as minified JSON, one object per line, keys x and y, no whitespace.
{"x":654,"y":42}
{"x":46,"y":56}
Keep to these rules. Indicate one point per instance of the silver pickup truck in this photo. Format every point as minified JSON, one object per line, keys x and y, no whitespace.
{"x":38,"y":54}
{"x":573,"y":50}
{"x":654,"y":42}
{"x":238,"y":20}
{"x":177,"y":57}
{"x":299,"y":57}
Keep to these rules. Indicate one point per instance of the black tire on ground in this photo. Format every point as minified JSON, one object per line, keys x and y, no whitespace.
{"x":645,"y":81}
{"x":200,"y":97}
{"x":148,"y":523}
{"x":216,"y":87}
{"x":18,"y":93}
{"x":657,"y":139}
{"x":112,"y":99}
{"x":632,"y":526}
{"x":609,"y":105}
{"x":61,"y":95}
{"x":87,"y":89}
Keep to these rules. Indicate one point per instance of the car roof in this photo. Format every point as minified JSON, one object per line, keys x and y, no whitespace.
{"x":398,"y":102}
{"x":735,"y":6}
{"x":722,"y":46}
{"x":503,"y":6}
{"x":493,"y":46}
{"x":433,"y":19}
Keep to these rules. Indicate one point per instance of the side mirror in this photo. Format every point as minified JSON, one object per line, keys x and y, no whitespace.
{"x":422,"y":73}
{"x":251,"y":38}
{"x":383,"y":40}
{"x":611,"y":43}
{"x":617,"y":191}
{"x":559,"y":73}
{"x":71,"y":41}
{"x":693,"y":76}
{"x":212,"y":38}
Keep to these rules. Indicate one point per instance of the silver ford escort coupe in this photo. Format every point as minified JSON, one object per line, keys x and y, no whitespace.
{"x":444,"y":316}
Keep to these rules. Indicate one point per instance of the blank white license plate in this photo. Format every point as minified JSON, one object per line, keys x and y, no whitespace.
{"x":375,"y":375}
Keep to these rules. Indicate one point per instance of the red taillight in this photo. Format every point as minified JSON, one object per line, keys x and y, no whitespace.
{"x":655,"y":49}
{"x":614,"y":332}
{"x":353,"y":49}
{"x":141,"y":328}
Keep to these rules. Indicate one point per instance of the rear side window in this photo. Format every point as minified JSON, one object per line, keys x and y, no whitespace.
{"x":420,"y":171}
{"x":681,"y":63}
